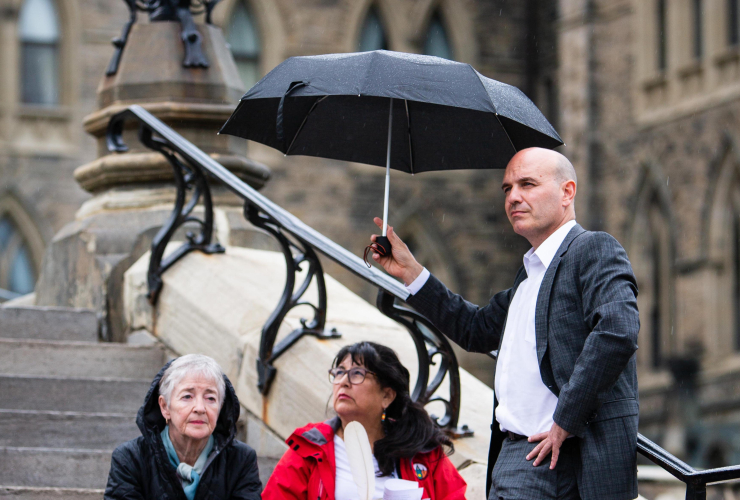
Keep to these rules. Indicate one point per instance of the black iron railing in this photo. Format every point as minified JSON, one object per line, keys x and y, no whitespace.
{"x":299,"y":244}
{"x":696,"y":480}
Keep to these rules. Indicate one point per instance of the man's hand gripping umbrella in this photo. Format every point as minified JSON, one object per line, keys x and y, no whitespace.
{"x":401,"y":262}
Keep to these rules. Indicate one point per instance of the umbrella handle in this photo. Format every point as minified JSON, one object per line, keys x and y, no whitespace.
{"x":382,"y":247}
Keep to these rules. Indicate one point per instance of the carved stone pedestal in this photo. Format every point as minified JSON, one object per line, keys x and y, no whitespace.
{"x":134,"y":192}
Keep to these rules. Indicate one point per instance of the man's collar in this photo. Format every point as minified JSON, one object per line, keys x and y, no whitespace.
{"x":547,"y":250}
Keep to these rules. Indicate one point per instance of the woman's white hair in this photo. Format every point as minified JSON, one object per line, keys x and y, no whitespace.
{"x":188,"y":365}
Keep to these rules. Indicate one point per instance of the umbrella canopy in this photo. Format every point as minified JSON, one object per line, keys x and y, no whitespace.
{"x":445,"y":115}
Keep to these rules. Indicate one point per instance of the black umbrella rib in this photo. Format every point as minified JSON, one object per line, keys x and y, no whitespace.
{"x":287,"y":151}
{"x":507,"y":134}
{"x":411,"y":146}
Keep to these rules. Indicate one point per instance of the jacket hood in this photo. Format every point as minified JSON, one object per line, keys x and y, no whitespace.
{"x":313,"y":438}
{"x":151,"y":422}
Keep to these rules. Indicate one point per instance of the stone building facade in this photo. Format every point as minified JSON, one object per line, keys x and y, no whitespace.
{"x":644,"y":92}
{"x":53,"y":54}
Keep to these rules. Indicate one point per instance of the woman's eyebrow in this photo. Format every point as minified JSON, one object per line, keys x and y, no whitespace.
{"x":193,"y":389}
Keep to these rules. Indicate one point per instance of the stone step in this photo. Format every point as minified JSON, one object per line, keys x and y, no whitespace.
{"x":29,"y":493}
{"x":101,"y":395}
{"x":56,"y":429}
{"x":92,"y":465}
{"x":266,"y":466}
{"x":79,"y":359}
{"x":50,"y":323}
{"x":54,"y":468}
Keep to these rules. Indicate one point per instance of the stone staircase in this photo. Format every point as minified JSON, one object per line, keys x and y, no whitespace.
{"x":66,"y":401}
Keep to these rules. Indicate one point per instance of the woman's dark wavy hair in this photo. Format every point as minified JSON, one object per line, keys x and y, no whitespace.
{"x":408,"y":427}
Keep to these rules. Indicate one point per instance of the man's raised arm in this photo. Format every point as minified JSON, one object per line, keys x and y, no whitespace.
{"x":473,"y":328}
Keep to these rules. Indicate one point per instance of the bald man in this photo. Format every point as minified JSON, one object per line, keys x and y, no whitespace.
{"x":565,"y":412}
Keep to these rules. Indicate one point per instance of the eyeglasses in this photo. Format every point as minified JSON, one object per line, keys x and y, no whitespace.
{"x":356,"y":375}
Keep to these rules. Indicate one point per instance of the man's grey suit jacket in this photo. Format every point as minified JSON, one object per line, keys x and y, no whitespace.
{"x":586,"y":324}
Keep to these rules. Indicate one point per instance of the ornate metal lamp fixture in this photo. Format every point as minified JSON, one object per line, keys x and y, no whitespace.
{"x":168,"y":10}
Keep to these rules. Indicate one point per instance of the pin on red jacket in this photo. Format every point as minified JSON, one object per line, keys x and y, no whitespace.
{"x":306,"y":470}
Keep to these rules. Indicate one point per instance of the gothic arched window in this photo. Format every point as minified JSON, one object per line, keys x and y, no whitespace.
{"x":17,"y":269}
{"x":243,"y":37}
{"x":736,"y":274}
{"x":437,"y":42}
{"x":661,"y":32}
{"x":372,"y":36}
{"x":39,"y":35}
{"x":731,"y":257}
{"x":733,"y":22}
{"x":723,"y":251}
{"x":424,"y":242}
{"x":697,"y":9}
{"x":651,"y":253}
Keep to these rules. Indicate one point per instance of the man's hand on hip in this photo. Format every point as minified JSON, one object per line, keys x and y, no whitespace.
{"x":400,"y":263}
{"x":549,"y":442}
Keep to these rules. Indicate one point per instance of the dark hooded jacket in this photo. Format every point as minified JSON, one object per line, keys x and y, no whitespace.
{"x":141,"y":470}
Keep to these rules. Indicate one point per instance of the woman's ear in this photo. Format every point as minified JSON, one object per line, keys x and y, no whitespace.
{"x":163,"y":408}
{"x":389,"y":395}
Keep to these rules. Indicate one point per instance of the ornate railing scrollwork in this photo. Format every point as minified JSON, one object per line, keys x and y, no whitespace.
{"x":430,"y":343}
{"x":296,"y":254}
{"x":192,"y":186}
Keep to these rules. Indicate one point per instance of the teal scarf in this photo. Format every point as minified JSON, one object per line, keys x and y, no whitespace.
{"x":189,"y":476}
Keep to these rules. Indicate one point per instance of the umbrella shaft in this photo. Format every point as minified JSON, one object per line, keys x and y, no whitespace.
{"x":388,"y":171}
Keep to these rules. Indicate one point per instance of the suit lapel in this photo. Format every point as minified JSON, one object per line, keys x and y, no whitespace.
{"x":543,"y":297}
{"x":521,"y":275}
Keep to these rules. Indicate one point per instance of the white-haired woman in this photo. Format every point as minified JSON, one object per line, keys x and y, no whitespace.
{"x":187,"y":448}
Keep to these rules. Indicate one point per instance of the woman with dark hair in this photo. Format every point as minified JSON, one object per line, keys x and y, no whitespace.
{"x":370,"y":386}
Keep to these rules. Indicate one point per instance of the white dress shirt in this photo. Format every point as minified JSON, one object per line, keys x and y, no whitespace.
{"x":416,"y":285}
{"x":525,"y":405}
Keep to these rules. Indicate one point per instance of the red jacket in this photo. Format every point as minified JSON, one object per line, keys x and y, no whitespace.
{"x":306,"y":470}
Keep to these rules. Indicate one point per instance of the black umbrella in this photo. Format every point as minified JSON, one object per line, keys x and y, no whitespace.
{"x":343,"y":106}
